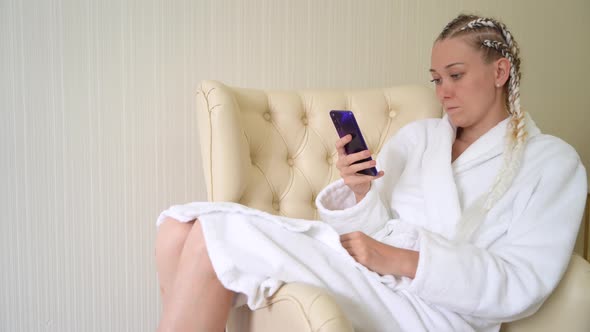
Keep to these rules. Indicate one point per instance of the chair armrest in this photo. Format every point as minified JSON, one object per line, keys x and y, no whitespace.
{"x":567,"y":309}
{"x":224,"y":148}
{"x":308,"y":308}
{"x":295,"y":307}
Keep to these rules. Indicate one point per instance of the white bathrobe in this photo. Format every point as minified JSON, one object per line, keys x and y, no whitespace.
{"x":502,"y":270}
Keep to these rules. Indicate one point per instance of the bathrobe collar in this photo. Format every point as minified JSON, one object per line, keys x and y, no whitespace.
{"x":440,"y":191}
{"x":488,"y":146}
{"x":441,"y":198}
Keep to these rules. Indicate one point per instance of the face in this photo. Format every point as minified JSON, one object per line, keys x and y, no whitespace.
{"x":466,"y":85}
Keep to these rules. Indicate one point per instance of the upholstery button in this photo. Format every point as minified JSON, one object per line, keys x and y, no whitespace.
{"x":392,"y":114}
{"x":304,"y":120}
{"x":275,"y":205}
{"x":290,"y":161}
{"x":329,"y":160}
{"x":266,"y":116}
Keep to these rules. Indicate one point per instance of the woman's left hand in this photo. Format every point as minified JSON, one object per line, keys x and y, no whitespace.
{"x":380,"y":257}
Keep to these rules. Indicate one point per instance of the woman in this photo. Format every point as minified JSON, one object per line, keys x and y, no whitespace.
{"x":471,"y":223}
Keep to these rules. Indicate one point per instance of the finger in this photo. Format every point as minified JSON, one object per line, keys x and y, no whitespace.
{"x":347,"y":246}
{"x":345,"y":237}
{"x":352,"y":235}
{"x":348,"y":238}
{"x":379,"y":175}
{"x":341,"y":143}
{"x":342,"y":162}
{"x":345,"y":160}
{"x":355,"y":168}
{"x":348,"y":242}
{"x":351,"y":250}
{"x":354,"y":157}
{"x":341,"y":153}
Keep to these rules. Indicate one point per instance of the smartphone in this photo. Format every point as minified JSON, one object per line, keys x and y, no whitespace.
{"x":345,"y":124}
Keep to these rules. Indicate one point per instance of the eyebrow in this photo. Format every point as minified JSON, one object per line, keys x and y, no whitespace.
{"x":450,"y":65}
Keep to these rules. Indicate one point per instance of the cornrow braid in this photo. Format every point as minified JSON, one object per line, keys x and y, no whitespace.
{"x":517,"y":139}
{"x":512,"y":46}
{"x":488,"y":22}
{"x":513,"y":84}
{"x":450,"y":26}
{"x":493,"y":35}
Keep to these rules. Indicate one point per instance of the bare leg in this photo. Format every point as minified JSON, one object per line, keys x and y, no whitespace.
{"x":196,"y":301}
{"x":169,"y":244}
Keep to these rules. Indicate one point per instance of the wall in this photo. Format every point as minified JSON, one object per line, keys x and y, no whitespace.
{"x":98,"y":132}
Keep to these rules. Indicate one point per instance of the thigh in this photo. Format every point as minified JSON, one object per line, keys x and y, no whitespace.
{"x":171,"y":236}
{"x":173,"y":226}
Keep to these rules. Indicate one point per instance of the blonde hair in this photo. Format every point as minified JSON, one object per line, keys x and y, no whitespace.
{"x":494,"y":41}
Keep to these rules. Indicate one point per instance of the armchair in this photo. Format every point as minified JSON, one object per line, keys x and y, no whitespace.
{"x":274,"y":151}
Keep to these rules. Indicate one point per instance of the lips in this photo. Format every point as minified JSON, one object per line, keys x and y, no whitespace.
{"x":451,"y":109}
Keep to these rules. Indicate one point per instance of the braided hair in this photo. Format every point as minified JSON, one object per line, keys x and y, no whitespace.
{"x":494,"y":40}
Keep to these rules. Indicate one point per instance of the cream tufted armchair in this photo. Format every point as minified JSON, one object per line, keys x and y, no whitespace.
{"x":274,"y":151}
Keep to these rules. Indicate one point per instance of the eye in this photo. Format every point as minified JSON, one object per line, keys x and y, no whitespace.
{"x":456,"y":76}
{"x":436,"y":81}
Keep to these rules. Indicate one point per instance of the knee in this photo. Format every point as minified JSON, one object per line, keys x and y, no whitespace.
{"x":196,"y":248}
{"x":195,"y":242}
{"x":171,"y":237}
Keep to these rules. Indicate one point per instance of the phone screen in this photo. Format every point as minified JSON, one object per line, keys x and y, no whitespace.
{"x":345,"y":124}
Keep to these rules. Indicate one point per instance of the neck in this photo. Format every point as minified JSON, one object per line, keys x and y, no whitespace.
{"x":472,"y":133}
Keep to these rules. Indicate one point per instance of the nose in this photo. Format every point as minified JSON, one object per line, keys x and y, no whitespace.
{"x":444,"y":90}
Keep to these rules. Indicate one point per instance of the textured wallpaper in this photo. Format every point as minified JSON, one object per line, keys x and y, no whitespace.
{"x":98,"y":131}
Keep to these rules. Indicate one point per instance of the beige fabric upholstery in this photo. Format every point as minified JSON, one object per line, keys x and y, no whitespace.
{"x":274,"y":150}
{"x":567,"y":309}
{"x":296,"y":307}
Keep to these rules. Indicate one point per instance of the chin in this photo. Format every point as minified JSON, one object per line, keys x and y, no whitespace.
{"x":458,"y":121}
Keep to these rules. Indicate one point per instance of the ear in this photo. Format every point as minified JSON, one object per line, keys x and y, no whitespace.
{"x":502,"y":71}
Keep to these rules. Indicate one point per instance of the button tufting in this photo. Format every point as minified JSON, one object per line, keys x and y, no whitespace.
{"x":304,"y":120}
{"x":329,"y":160}
{"x":275,"y":205}
{"x":266,"y":116}
{"x":392,"y":114}
{"x":290,"y":161}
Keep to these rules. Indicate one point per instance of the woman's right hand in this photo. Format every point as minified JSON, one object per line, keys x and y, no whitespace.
{"x":358,"y":183}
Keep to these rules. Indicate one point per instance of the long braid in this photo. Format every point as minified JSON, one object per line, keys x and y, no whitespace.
{"x":517,"y":136}
{"x":494,"y":35}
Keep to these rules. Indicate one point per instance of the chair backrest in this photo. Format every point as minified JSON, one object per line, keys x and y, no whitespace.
{"x":274,"y":150}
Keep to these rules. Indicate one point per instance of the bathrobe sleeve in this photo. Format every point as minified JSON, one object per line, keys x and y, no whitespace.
{"x":510,"y":279}
{"x":337,"y":205}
